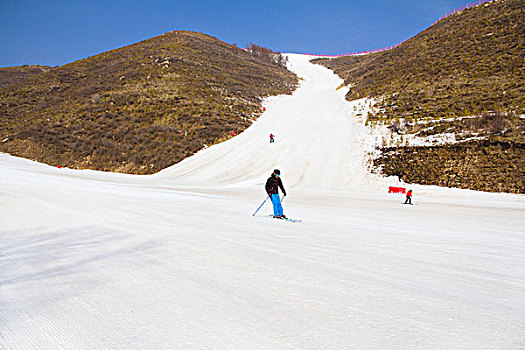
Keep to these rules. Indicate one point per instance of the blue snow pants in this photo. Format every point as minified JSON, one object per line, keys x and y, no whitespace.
{"x":277,"y":208}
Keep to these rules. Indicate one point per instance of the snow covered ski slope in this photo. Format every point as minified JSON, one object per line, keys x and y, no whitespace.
{"x":318,"y":143}
{"x":92,"y":260}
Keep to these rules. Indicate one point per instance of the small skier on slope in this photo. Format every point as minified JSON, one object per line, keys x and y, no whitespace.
{"x":271,"y":138}
{"x":409,"y":197}
{"x":272,"y":188}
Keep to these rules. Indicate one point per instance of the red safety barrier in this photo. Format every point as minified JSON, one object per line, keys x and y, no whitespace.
{"x":396,"y":189}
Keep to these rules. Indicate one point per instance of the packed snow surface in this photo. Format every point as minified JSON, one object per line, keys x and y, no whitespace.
{"x":92,"y":260}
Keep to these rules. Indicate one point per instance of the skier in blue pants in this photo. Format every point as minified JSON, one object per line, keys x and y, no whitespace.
{"x":272,"y":188}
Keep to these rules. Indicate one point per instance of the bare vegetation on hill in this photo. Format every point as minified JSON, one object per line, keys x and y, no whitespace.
{"x":463,"y":75}
{"x":267,"y":54}
{"x":140,"y":108}
{"x":13,"y":75}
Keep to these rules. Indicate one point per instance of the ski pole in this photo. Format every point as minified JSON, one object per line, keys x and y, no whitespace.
{"x":261,"y":206}
{"x":282,"y":199}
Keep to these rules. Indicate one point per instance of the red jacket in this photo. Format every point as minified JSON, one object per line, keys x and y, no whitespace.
{"x":409,"y":194}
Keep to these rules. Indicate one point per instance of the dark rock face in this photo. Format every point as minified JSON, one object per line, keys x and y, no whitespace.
{"x":481,"y":165}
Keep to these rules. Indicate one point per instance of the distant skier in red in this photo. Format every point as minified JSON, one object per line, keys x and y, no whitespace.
{"x":271,"y":138}
{"x":409,"y":197}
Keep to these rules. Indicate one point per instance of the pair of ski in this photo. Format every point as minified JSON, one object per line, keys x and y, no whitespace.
{"x":285,"y":219}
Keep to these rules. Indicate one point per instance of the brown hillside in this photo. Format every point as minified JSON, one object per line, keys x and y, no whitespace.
{"x":469,"y":64}
{"x":13,"y":75}
{"x":140,"y":108}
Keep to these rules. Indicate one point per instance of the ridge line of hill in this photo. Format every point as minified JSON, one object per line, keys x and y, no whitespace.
{"x":387,"y":48}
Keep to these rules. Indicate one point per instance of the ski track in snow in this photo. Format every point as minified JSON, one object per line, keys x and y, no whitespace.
{"x":91,"y":260}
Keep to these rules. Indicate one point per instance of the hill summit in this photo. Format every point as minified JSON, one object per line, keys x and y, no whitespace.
{"x":140,"y":108}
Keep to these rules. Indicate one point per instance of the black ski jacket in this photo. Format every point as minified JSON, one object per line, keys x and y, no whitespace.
{"x":273,"y":184}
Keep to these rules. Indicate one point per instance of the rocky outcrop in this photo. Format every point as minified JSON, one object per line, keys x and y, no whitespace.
{"x":494,"y":166}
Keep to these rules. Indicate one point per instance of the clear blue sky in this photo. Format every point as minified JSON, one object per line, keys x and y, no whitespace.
{"x":55,"y":32}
